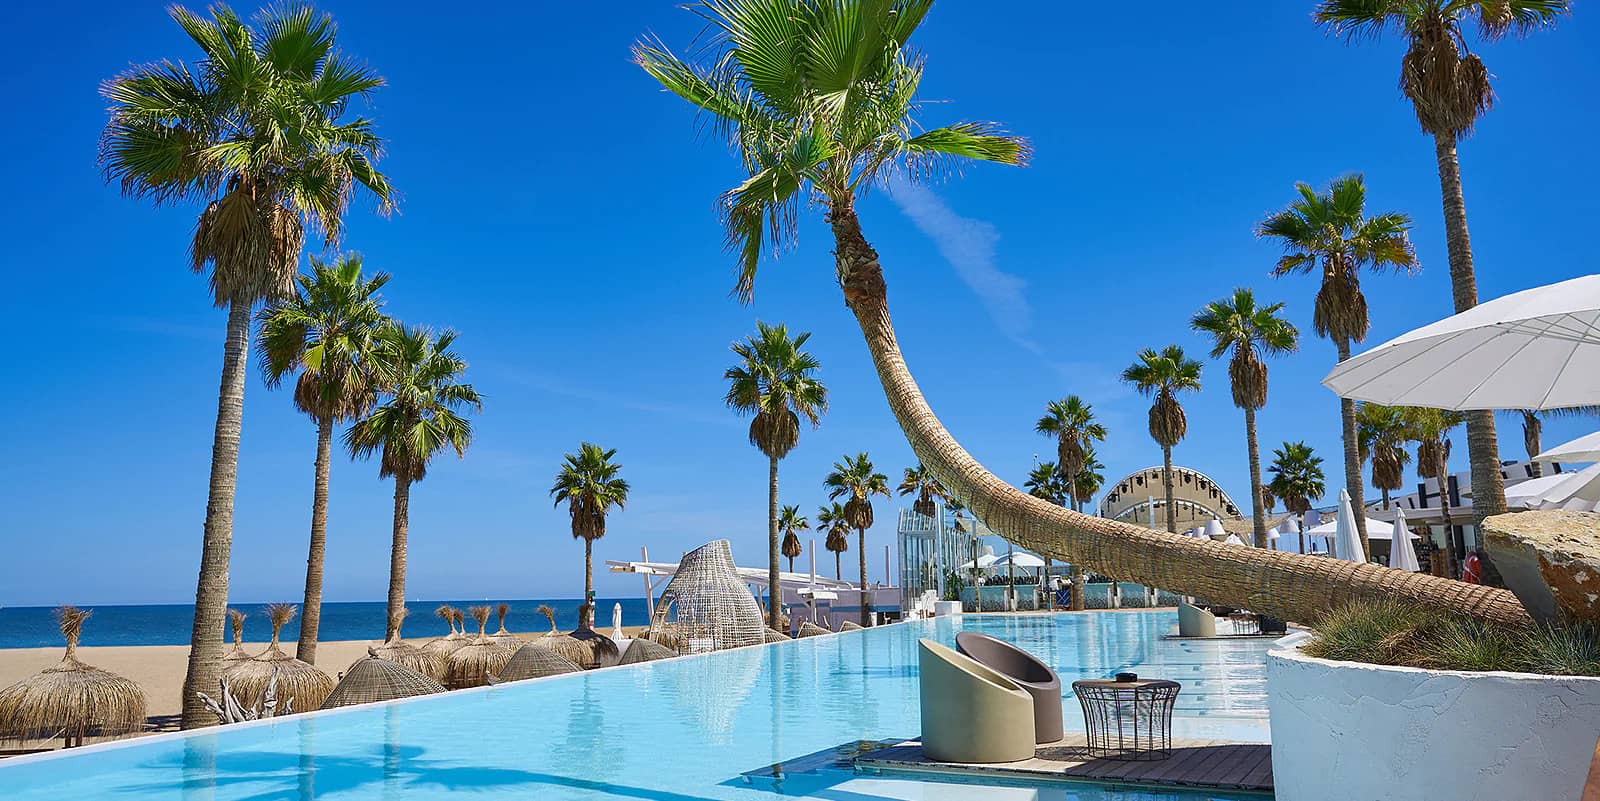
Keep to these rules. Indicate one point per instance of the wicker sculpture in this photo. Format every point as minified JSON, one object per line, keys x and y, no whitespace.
{"x":72,"y":699}
{"x":644,"y":651}
{"x":299,"y":682}
{"x":237,"y":653}
{"x":714,"y":610}
{"x":535,"y":661}
{"x":429,"y":663}
{"x":373,"y":678}
{"x":473,"y":663}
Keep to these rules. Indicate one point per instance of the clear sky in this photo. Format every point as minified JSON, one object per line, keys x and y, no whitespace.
{"x":558,"y":211}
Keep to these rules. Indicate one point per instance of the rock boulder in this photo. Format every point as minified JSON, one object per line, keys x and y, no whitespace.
{"x":1550,"y":560}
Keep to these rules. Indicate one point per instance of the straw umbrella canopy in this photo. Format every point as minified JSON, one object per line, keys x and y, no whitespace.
{"x":850,"y":625}
{"x":772,"y":635}
{"x":376,"y":678}
{"x":535,"y":661}
{"x":446,"y":645}
{"x":236,"y":622}
{"x":645,"y":651}
{"x":502,"y":636}
{"x":71,"y":699}
{"x":809,"y":629}
{"x":473,"y":663}
{"x":304,"y":685}
{"x":584,"y":647}
{"x":429,"y":663}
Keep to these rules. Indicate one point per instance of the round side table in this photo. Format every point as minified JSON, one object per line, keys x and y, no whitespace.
{"x":1128,"y":718}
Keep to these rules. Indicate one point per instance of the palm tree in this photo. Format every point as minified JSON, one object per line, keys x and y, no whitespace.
{"x":419,"y":417}
{"x":1162,"y":375}
{"x":1071,"y":421}
{"x":819,"y":102}
{"x":1089,"y":480}
{"x":1533,"y":428}
{"x":1430,"y":429}
{"x":1329,"y":233}
{"x":588,"y":483}
{"x":1297,"y":478}
{"x":833,"y":519}
{"x":1046,"y":482}
{"x":856,"y":480}
{"x":1382,"y":432}
{"x":791,"y":522}
{"x":257,"y":131}
{"x":1251,"y":333}
{"x":1449,"y":88}
{"x":327,"y":332}
{"x":775,"y":383}
{"x":919,"y":481}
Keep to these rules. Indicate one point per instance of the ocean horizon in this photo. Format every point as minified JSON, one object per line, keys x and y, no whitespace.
{"x":169,"y":624}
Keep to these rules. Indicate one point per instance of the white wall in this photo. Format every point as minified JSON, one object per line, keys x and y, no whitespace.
{"x":1343,"y":731}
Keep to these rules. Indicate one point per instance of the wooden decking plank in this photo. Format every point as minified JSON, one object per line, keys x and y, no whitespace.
{"x":1194,"y":763}
{"x":1227,"y":768}
{"x":1200,"y":763}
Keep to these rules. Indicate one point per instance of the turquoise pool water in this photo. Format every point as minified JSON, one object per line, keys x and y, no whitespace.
{"x":667,"y":731}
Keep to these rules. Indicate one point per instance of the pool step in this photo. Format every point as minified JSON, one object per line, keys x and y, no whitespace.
{"x":839,"y":757}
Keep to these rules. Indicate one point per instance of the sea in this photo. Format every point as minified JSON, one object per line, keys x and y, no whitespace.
{"x":169,"y":624}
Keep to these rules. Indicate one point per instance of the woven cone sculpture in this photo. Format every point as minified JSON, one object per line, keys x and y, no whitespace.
{"x":71,"y":700}
{"x":535,"y":661}
{"x":772,"y":635}
{"x":375,"y":678}
{"x":446,"y":645}
{"x":400,"y":652}
{"x":237,"y":653}
{"x":473,"y":663}
{"x":304,"y":686}
{"x":645,"y":651}
{"x":809,"y":629}
{"x":502,"y":636}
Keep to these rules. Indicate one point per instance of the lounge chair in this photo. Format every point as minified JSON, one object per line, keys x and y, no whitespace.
{"x":1027,"y":671}
{"x":1196,"y":622}
{"x":971,"y":713}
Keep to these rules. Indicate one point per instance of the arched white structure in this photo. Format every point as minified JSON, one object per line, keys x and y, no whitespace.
{"x":1196,"y":496}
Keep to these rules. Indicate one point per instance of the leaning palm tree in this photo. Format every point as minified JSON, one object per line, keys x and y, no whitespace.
{"x":836,"y":522}
{"x":775,"y":382}
{"x":326,"y":332}
{"x":1329,"y":234}
{"x":419,"y":417}
{"x":589,"y":484}
{"x":1449,"y":88}
{"x":1250,"y":332}
{"x":919,"y":481}
{"x":1430,"y":429}
{"x":791,"y":523}
{"x":1297,"y":478}
{"x":1161,"y":375}
{"x":856,"y":480}
{"x":819,"y":102}
{"x":258,"y":131}
{"x":1382,"y":432}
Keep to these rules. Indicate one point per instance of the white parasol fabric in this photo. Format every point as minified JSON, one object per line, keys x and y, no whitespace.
{"x":985,"y":562}
{"x":1583,"y":449}
{"x":1346,"y":540}
{"x":1579,"y":491}
{"x":1376,"y":529}
{"x":1534,"y":349}
{"x":1018,"y":559}
{"x":1233,"y":539}
{"x":1214,"y":529}
{"x":1401,"y":555}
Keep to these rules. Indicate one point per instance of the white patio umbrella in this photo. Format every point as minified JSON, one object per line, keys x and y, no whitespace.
{"x":1214,"y":529}
{"x":1023,"y":560}
{"x":1578,"y":491}
{"x":1583,"y":449}
{"x":1534,"y":349}
{"x":984,"y":562}
{"x":1401,"y":555}
{"x":1233,"y":539}
{"x":1346,"y":541}
{"x":1376,"y":529}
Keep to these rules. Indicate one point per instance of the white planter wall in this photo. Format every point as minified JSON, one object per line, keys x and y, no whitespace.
{"x":1345,"y":731}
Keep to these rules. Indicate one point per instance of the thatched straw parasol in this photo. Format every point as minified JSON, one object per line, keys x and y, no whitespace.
{"x":850,"y":625}
{"x":473,"y":663}
{"x":303,"y":685}
{"x":375,"y":678}
{"x":396,"y":650}
{"x":535,"y":661}
{"x":809,"y":629}
{"x":72,"y":699}
{"x":502,"y":636}
{"x":236,"y":622}
{"x":773,"y":635}
{"x":446,"y":645}
{"x":645,"y":651}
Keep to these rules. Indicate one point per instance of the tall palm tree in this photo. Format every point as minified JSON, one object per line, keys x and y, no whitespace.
{"x":1297,"y":478}
{"x":589,"y":483}
{"x":1089,"y":480}
{"x":327,"y":333}
{"x":856,"y":480}
{"x":1383,"y":433}
{"x":1250,"y":332}
{"x":1533,"y":428}
{"x":833,"y":519}
{"x":1046,"y":483}
{"x":1329,"y":233}
{"x":775,"y":382}
{"x":419,"y":416}
{"x":1449,"y":88}
{"x":919,"y":481}
{"x":1430,"y":429}
{"x":791,"y":523}
{"x":1162,"y":375}
{"x":1071,"y":421}
{"x":819,"y":102}
{"x":258,"y":132}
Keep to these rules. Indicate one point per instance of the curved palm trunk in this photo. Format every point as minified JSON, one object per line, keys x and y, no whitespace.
{"x":1277,"y":583}
{"x":311,"y":609}
{"x":1483,"y":449}
{"x":861,"y":540}
{"x":774,"y":591}
{"x":1258,"y":514}
{"x":211,"y":590}
{"x":397,"y":554}
{"x":1354,"y":482}
{"x":1166,"y":486}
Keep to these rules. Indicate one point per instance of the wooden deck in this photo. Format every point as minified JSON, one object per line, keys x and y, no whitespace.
{"x":1210,"y":764}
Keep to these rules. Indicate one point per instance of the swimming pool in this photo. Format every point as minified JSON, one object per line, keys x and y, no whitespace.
{"x":671,"y":731}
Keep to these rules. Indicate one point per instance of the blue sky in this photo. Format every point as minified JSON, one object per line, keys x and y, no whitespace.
{"x":558,"y":211}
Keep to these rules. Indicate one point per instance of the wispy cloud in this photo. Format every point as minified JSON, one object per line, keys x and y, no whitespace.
{"x":558,"y":386}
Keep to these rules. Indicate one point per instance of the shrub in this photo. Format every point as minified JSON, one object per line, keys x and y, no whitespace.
{"x":1398,"y":633}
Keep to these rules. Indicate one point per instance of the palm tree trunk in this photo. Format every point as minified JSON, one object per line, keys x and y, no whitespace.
{"x":397,"y":553}
{"x":774,"y":592}
{"x":838,"y":571}
{"x":1258,"y":512}
{"x":1044,"y":586}
{"x":1483,"y":448}
{"x":1385,"y":491}
{"x":211,"y":590}
{"x":1354,"y":482}
{"x":1532,"y":438}
{"x":1441,"y":469}
{"x":1166,"y":485}
{"x":1277,"y":583}
{"x":311,"y":609}
{"x":586,"y":618}
{"x":861,"y":540}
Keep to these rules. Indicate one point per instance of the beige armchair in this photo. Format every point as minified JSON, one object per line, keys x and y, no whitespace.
{"x":970,"y":712}
{"x":1195,"y":622}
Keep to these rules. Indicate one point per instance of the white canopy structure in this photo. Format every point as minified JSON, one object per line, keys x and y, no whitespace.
{"x":1020,"y":559}
{"x":1534,"y":349}
{"x":1583,"y":449}
{"x":1376,"y":529}
{"x":983,"y":562}
{"x":1233,"y":539}
{"x":1214,"y":529}
{"x":1579,"y":491}
{"x":1401,"y":555}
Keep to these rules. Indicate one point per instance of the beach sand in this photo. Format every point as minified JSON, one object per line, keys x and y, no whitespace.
{"x":159,"y":670}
